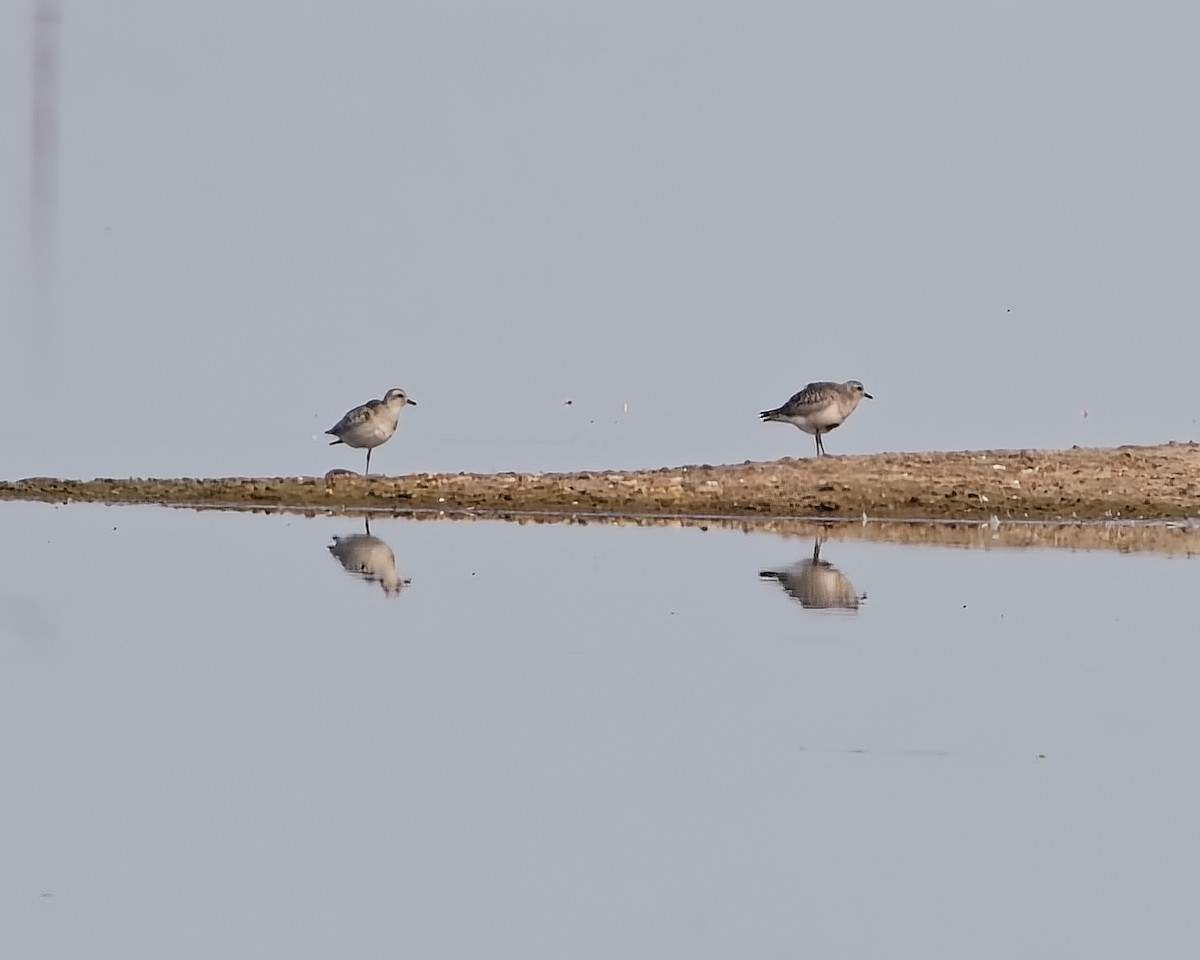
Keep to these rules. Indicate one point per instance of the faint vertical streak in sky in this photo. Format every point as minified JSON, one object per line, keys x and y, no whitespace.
{"x":43,"y":170}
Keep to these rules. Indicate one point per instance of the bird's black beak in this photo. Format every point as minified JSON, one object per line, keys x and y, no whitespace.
{"x":865,"y":394}
{"x":411,"y":403}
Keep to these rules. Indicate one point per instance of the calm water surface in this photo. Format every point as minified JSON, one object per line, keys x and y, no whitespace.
{"x":585,"y":742}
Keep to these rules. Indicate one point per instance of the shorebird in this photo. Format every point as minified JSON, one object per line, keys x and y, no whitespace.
{"x":816,"y":583}
{"x":819,"y":407}
{"x":372,"y":423}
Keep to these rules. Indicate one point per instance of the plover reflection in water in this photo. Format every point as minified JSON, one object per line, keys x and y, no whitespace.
{"x":819,"y":408}
{"x":816,"y":583}
{"x":369,"y":558}
{"x":372,"y":423}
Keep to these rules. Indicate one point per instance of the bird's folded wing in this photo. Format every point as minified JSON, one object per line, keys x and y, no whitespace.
{"x":815,"y":394}
{"x":355,"y":417}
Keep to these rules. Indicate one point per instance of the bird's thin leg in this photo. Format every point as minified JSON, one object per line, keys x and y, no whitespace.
{"x":820,"y":445}
{"x":368,"y":462}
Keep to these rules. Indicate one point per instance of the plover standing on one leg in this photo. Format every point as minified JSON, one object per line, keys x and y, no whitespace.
{"x":819,"y":408}
{"x":371,"y":424}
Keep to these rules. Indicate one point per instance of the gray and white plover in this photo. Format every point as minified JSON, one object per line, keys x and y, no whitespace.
{"x":819,"y":407}
{"x":372,"y":423}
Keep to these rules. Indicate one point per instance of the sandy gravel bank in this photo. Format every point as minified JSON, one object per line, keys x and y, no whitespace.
{"x":1161,"y":482}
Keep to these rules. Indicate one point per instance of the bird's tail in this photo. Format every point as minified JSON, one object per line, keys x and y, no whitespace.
{"x":334,"y":443}
{"x":771,"y":414}
{"x":768,"y":575}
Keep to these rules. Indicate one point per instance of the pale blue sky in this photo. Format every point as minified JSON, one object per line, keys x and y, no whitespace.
{"x":269,"y":212}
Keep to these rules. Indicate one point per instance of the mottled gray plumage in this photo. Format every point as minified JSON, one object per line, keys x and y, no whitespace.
{"x":816,"y":583}
{"x":372,"y":423}
{"x":819,"y":407}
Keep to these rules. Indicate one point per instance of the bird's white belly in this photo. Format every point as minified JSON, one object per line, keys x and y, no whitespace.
{"x":819,"y":420}
{"x":367,"y":435}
